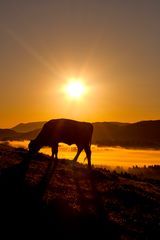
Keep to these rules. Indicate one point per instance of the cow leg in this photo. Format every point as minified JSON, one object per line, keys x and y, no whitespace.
{"x":55,"y":152}
{"x":78,"y":153}
{"x":88,"y":154}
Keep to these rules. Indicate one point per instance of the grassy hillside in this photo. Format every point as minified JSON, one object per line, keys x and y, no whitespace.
{"x":70,"y":201}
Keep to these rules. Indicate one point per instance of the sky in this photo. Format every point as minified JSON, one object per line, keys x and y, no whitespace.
{"x":111,"y":46}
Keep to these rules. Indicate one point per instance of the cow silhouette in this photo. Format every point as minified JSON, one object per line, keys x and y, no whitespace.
{"x":66,"y":131}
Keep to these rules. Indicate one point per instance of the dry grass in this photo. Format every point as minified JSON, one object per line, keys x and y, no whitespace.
{"x":71,"y":201}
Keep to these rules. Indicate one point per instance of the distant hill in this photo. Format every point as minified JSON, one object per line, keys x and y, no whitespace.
{"x":26,"y":127}
{"x":140,"y":134}
{"x":8,"y":134}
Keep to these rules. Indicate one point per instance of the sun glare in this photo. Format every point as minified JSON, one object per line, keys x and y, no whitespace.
{"x":75,"y":89}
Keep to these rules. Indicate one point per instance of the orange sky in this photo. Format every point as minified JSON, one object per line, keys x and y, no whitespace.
{"x":113,"y":46}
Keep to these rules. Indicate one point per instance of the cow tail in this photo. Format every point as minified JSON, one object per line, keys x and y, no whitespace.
{"x":90,"y":142}
{"x":84,"y":159}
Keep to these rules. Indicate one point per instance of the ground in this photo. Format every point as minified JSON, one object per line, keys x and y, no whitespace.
{"x":39,"y":198}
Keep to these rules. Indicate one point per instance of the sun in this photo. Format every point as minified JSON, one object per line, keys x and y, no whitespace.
{"x":75,"y":89}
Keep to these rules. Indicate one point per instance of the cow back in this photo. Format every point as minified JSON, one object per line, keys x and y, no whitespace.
{"x":67,"y":131}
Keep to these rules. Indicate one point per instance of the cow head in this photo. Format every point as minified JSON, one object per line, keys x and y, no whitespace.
{"x":33,"y":146}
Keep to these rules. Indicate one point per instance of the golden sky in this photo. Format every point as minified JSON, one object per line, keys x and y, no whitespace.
{"x":112,"y":47}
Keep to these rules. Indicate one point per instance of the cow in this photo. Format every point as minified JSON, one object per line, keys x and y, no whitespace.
{"x":66,"y":131}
